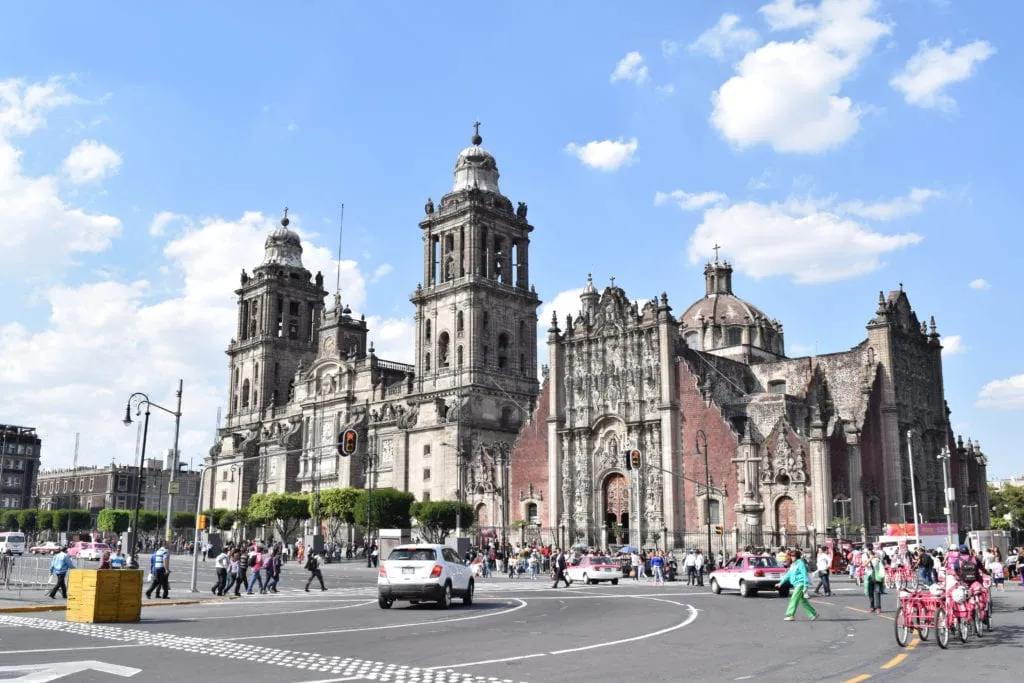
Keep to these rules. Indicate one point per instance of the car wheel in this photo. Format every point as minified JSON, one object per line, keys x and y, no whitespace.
{"x":715,"y":588}
{"x":586,"y":579}
{"x":615,"y":582}
{"x":745,"y":590}
{"x":467,"y":599}
{"x":385,"y":603}
{"x":446,"y":597}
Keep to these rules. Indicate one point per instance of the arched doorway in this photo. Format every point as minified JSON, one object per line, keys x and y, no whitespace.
{"x":785,"y":516}
{"x":616,"y":509}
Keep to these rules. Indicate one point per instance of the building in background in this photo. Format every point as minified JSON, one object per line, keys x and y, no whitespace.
{"x":114,"y":486}
{"x":20,"y":449}
{"x":999,"y":484}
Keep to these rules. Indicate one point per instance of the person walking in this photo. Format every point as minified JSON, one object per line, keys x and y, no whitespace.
{"x":558,"y":567}
{"x":223,"y":563}
{"x":824,"y":563}
{"x":691,"y":568}
{"x":874,"y":580}
{"x":272,"y":569}
{"x":59,"y":567}
{"x":159,"y":568}
{"x":698,"y":565}
{"x":256,"y":564}
{"x":796,"y":576}
{"x":658,"y":567}
{"x":637,"y":563}
{"x":313,"y":567}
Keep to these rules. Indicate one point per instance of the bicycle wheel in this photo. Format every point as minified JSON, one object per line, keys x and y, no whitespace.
{"x":941,"y":628}
{"x":924,"y":630}
{"x":900,"y":627}
{"x":961,"y":629}
{"x":976,"y":621}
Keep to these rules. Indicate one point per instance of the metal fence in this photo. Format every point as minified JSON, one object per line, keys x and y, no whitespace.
{"x":24,"y":573}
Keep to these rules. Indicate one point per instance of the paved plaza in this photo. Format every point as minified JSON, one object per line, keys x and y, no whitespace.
{"x":517,"y":631}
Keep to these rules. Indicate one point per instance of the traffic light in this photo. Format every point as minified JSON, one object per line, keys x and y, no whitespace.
{"x":202,"y":521}
{"x":348,"y":443}
{"x":718,"y":529}
{"x":634,"y":459}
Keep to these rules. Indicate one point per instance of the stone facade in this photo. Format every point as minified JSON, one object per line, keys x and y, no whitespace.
{"x":114,"y":486}
{"x":442,"y":428}
{"x":792,"y":443}
{"x":20,"y":452}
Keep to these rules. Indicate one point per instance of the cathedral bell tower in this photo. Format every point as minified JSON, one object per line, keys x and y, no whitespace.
{"x":476,"y":313}
{"x":279,"y":309}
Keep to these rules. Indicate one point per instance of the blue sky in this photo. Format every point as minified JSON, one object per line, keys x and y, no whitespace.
{"x":827,"y":149}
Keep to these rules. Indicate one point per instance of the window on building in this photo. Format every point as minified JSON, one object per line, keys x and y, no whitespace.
{"x":715,"y":511}
{"x":458,"y":357}
{"x":293,"y":308}
{"x":443,"y":360}
{"x":426,"y":496}
{"x":122,"y":483}
{"x":508,"y":418}
{"x":777,"y":386}
{"x":734,"y":336}
{"x":522,"y":363}
{"x":532,"y":513}
{"x":426,"y":362}
{"x":486,"y":318}
{"x":502,"y":350}
{"x":245,"y":394}
{"x":522,"y":331}
{"x":122,"y":502}
{"x":426,"y":474}
{"x":459,"y":322}
{"x":426,"y":450}
{"x":65,"y":486}
{"x":426,"y":330}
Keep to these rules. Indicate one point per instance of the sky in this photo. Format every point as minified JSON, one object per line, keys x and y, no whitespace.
{"x":834,"y":149}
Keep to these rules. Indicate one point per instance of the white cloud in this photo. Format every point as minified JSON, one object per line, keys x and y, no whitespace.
{"x":760,"y":182}
{"x":891,"y":209}
{"x":23,"y":106}
{"x":1006,"y":394}
{"x":91,"y":161}
{"x":393,"y":338}
{"x":725,"y":37}
{"x":689,"y":201}
{"x":804,"y":239}
{"x":788,"y":94}
{"x":605,"y":155}
{"x":630,"y":68}
{"x":669,"y":48}
{"x":979,"y":284}
{"x":952,"y":344}
{"x":382,"y":271}
{"x":926,"y":75}
{"x":164,"y":220}
{"x":563,"y":304}
{"x":41,"y":230}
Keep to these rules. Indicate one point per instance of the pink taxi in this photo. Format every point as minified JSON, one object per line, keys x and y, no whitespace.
{"x":749,"y":574}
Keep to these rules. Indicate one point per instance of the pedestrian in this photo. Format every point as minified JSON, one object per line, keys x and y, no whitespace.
{"x":237,"y":571}
{"x":691,"y":568}
{"x":222,"y":563}
{"x":59,"y":567}
{"x":658,"y":567}
{"x":105,"y":560}
{"x":558,"y":568}
{"x":796,"y":576}
{"x":634,"y":559}
{"x":117,"y":560}
{"x":313,"y":567}
{"x":272,"y":569}
{"x":159,"y":569}
{"x":256,"y":564}
{"x":698,"y":564}
{"x":824,"y":562}
{"x":874,"y":580}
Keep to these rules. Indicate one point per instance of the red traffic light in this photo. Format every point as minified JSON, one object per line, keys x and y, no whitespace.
{"x":634,"y":460}
{"x":349,"y":442}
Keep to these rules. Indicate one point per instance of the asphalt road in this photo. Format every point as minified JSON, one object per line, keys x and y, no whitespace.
{"x":516,"y":631}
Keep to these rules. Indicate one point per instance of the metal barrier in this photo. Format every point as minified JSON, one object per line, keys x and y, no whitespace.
{"x":25,"y":573}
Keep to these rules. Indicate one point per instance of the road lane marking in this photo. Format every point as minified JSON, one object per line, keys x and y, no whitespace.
{"x":858,"y":679}
{"x":894,"y":661}
{"x":68,"y":649}
{"x":521,"y":605}
{"x":274,"y":614}
{"x":914,"y":643}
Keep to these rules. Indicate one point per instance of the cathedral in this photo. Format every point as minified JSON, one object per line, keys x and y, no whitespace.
{"x":301,"y":373}
{"x":733,"y":435}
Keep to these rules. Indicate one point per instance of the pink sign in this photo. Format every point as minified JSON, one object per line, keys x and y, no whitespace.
{"x":925,"y":529}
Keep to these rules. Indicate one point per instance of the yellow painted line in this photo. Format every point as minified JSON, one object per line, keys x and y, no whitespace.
{"x":914,"y":643}
{"x":858,"y":609}
{"x":893,"y":662}
{"x":857,"y":679}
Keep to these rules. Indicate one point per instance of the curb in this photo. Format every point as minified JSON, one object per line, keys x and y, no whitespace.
{"x":63,"y":608}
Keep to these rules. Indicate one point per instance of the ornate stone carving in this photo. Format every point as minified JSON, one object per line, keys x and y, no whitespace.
{"x":409,"y":417}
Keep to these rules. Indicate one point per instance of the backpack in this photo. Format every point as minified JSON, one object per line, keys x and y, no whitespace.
{"x":310,"y":564}
{"x":877,"y":570}
{"x":968,"y":571}
{"x":251,"y":560}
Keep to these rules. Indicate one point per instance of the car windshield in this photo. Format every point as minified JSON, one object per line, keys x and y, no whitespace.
{"x":413,"y":554}
{"x":762,"y":562}
{"x":600,"y":560}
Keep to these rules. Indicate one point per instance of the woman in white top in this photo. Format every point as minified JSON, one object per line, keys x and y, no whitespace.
{"x":824,"y":563}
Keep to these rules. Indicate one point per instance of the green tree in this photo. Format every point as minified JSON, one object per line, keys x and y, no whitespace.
{"x":285,"y":511}
{"x":337,"y":506}
{"x":150,"y":521}
{"x":9,"y":520}
{"x":183,"y":521}
{"x":218,"y":516}
{"x":114,"y":521}
{"x":437,"y":518}
{"x":44,"y":520}
{"x":389,"y":509}
{"x":27,"y":520}
{"x":80,"y":520}
{"x":1006,"y":501}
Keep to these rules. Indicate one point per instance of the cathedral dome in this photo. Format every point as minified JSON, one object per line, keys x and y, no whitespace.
{"x":283,"y":246}
{"x":723,"y":321}
{"x":476,"y":167}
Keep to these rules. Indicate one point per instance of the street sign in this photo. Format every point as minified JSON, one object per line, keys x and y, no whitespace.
{"x":173,"y":488}
{"x":47,"y":671}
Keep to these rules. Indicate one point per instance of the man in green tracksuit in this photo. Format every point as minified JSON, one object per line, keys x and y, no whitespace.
{"x":798,"y":579}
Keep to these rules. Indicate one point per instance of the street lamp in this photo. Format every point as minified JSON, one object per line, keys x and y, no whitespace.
{"x":970,"y":512}
{"x":369,"y":465}
{"x":503,"y":454}
{"x":943,"y":457}
{"x":702,"y":437}
{"x":137,"y":400}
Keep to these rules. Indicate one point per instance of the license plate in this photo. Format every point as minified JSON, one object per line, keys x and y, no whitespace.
{"x":408,"y":570}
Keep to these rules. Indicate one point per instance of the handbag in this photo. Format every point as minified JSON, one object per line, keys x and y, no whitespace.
{"x":149,"y":578}
{"x":52,"y":580}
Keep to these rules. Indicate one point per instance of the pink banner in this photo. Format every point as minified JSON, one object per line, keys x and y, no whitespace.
{"x":925,"y":529}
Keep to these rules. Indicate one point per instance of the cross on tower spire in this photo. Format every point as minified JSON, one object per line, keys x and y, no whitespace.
{"x":476,"y":133}
{"x":716,"y":248}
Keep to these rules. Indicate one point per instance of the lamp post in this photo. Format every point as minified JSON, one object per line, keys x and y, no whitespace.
{"x":970,"y":512}
{"x":943,"y":457}
{"x":503,"y":454}
{"x":137,"y":400}
{"x":369,"y":464}
{"x":913,"y":486}
{"x":701,"y":437}
{"x":842,"y":502}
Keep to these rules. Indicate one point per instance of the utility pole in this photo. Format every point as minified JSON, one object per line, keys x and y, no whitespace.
{"x":74,"y":470}
{"x":174,"y":465}
{"x":943,"y":457}
{"x":913,"y":486}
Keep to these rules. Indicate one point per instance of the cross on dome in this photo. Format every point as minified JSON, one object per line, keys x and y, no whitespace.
{"x":476,"y":133}
{"x":716,"y":248}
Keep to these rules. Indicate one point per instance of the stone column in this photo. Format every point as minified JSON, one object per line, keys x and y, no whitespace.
{"x":821,"y":477}
{"x":854,"y":469}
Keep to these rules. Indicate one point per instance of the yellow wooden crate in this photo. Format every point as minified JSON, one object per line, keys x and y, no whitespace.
{"x":104,"y":595}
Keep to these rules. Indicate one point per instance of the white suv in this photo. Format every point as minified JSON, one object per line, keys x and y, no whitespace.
{"x":424,"y":573}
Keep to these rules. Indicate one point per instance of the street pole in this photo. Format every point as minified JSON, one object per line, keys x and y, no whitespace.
{"x":133,"y":539}
{"x":174,"y":465}
{"x":970,"y":515}
{"x":368,"y":467}
{"x":913,"y":486}
{"x":701,"y":436}
{"x":943,"y":457}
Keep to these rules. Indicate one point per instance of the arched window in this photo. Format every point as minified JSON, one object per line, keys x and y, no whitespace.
{"x":522,"y":363}
{"x":256,"y":372}
{"x":442,"y":350}
{"x":458,"y":356}
{"x":426,"y":330}
{"x":532,"y":513}
{"x":234,"y":403}
{"x":458,"y":323}
{"x":245,"y":394}
{"x":522,"y":331}
{"x":714,"y":512}
{"x":502,"y":350}
{"x":426,"y":362}
{"x":255,"y":399}
{"x":234,"y":381}
{"x":486,"y":319}
{"x":734,"y":336}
